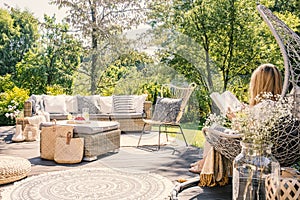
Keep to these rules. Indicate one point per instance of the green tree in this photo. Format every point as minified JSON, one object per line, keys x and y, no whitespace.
{"x":125,"y":75}
{"x":7,"y":32}
{"x":19,"y":33}
{"x":62,"y":52}
{"x":215,"y":43}
{"x":32,"y":73}
{"x":97,"y":21}
{"x":53,"y":63}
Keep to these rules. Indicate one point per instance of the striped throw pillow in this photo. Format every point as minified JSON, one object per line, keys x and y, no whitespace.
{"x":123,"y":104}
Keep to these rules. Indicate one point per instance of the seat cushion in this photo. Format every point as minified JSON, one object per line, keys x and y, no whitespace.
{"x":58,"y":116}
{"x":126,"y":115}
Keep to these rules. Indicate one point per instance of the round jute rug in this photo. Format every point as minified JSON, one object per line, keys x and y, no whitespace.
{"x":91,"y":183}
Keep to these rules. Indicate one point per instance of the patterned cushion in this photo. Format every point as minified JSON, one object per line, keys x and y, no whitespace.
{"x":86,"y":102}
{"x":123,"y":104}
{"x":37,"y":103}
{"x":166,"y":109}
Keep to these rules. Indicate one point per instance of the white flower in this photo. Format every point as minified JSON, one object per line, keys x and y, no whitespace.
{"x":257,"y":123}
{"x":215,"y":119}
{"x":13,"y":111}
{"x":10,"y":108}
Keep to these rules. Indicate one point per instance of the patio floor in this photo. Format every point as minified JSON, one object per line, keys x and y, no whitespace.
{"x":171,"y":161}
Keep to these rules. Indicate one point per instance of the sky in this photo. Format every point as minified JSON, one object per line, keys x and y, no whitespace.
{"x":37,"y":7}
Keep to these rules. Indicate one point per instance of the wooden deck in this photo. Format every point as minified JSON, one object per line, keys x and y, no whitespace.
{"x":171,"y":161}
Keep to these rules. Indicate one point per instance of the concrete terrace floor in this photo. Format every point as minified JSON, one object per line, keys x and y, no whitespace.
{"x":171,"y":161}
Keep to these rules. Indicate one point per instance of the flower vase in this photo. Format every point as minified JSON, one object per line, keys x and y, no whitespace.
{"x":251,"y":167}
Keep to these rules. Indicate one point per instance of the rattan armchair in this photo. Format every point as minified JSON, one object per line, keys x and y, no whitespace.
{"x":169,"y":110}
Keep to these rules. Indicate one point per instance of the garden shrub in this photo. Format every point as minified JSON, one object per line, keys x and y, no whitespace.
{"x":11,"y":104}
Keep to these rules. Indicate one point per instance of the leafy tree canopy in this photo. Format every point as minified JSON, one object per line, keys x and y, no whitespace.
{"x":19,"y":32}
{"x":53,"y":63}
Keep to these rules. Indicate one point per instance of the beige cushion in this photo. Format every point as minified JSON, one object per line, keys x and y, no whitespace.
{"x":71,"y":103}
{"x":106,"y":104}
{"x":55,"y":104}
{"x":138,"y":102}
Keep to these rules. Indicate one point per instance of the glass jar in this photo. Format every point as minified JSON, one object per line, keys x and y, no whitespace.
{"x":251,"y":168}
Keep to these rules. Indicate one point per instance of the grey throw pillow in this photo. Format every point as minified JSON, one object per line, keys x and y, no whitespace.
{"x":166,"y":109}
{"x":85,"y":102}
{"x":37,"y":103}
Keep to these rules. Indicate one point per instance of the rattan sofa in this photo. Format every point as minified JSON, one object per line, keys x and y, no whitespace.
{"x":128,"y":110}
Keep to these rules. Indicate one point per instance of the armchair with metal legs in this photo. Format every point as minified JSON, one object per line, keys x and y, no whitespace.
{"x":169,"y":110}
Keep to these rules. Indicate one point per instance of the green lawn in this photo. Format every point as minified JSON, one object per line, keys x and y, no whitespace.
{"x":192,"y":133}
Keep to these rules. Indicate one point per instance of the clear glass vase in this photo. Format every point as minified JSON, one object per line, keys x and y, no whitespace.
{"x":251,"y":168}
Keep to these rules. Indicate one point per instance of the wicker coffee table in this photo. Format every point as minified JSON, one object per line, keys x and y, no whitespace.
{"x":100,"y":137}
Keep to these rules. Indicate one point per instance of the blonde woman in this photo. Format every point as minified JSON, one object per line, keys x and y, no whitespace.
{"x":265,"y":79}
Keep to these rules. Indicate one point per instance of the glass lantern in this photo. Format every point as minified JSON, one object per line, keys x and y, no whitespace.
{"x":251,"y":168}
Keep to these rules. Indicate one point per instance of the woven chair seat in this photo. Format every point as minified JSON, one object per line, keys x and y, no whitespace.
{"x":284,"y":139}
{"x":226,"y":144}
{"x":13,"y":169}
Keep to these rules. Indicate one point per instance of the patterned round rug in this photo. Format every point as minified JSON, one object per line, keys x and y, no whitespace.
{"x":91,"y":183}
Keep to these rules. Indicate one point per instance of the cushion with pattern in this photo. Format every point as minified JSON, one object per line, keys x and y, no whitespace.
{"x":86,"y":102}
{"x":166,"y":109}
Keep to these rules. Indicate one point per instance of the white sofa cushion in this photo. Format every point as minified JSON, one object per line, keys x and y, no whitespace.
{"x":71,"y":103}
{"x":138,"y":102}
{"x":55,"y":104}
{"x":106,"y":104}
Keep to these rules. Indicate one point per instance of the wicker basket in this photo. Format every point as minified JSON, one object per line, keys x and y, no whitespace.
{"x":289,"y":189}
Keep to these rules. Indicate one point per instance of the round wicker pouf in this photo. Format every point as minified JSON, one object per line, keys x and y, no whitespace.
{"x":13,"y":169}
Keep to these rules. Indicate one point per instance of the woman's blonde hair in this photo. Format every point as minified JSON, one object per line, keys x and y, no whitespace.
{"x":265,"y":79}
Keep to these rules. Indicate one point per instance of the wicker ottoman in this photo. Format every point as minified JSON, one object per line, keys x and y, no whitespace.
{"x":13,"y":169}
{"x":100,"y":137}
{"x":99,"y":143}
